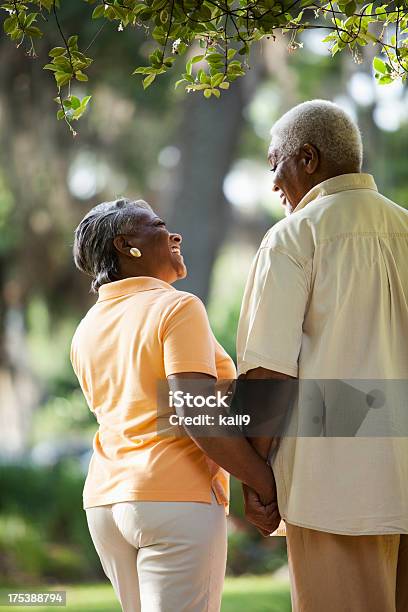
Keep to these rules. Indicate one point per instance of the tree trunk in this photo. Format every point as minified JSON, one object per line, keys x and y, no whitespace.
{"x":209,"y":134}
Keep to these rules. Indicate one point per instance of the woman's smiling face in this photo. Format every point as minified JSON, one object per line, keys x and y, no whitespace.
{"x":160,"y":250}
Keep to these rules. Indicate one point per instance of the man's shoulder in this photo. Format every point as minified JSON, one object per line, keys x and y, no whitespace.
{"x":356,"y":211}
{"x":293,"y":235}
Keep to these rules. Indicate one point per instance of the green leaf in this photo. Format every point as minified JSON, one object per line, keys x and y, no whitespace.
{"x":335,"y":49}
{"x":214,"y":58}
{"x":62,"y":78}
{"x":10,"y":24}
{"x":52,"y":67}
{"x":99,"y":11}
{"x":207,"y":93}
{"x":199,"y":87}
{"x":216,"y":92}
{"x":48,"y":4}
{"x":203,"y":77}
{"x":231,"y":53}
{"x":224,"y":85}
{"x":145,"y":14}
{"x":148,"y":81}
{"x":216,"y":80}
{"x":80,"y":76}
{"x":33,"y":31}
{"x":189,"y":67}
{"x":30,"y":19}
{"x":75,"y":102}
{"x":142,"y":70}
{"x":350,"y":8}
{"x":63,"y":64}
{"x":380,"y":66}
{"x":370,"y":37}
{"x":60,"y":114}
{"x":73,"y":42}
{"x":384,"y":80}
{"x":235,"y":69}
{"x":57,"y":51}
{"x":78,"y":113}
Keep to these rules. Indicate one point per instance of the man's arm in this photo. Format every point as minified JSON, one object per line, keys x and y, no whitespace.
{"x":263,"y":446}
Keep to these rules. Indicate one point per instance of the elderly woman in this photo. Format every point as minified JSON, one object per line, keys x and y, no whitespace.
{"x":155,"y":505}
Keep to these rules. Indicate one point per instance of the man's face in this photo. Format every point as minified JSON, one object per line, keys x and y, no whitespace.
{"x":290,"y":179}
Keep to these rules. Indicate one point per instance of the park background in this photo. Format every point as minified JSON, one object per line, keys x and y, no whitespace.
{"x":202,"y":165}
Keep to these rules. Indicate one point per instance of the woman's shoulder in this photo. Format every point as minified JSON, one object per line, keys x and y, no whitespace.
{"x":187,"y":298}
{"x":177,"y":302}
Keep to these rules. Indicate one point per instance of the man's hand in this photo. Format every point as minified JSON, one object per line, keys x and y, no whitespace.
{"x":266,"y":518}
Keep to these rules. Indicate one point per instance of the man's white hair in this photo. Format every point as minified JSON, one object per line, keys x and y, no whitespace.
{"x":324,"y":125}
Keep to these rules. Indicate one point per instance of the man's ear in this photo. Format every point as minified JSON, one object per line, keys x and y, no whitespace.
{"x":310,"y":158}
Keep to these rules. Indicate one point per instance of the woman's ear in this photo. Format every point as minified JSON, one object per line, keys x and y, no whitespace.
{"x":310,"y":158}
{"x":121,"y":244}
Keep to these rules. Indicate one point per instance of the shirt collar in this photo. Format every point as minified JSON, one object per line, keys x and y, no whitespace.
{"x":133,"y":284}
{"x":342,"y":182}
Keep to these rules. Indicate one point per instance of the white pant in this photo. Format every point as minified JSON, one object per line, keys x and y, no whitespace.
{"x":162,"y":556}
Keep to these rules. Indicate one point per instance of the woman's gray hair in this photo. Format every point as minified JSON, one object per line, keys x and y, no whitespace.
{"x":324,"y":125}
{"x":93,"y":250}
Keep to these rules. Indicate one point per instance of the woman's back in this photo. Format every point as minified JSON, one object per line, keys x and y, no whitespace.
{"x":140,"y":331}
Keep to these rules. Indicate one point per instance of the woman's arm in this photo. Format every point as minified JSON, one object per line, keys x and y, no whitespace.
{"x":235,"y":454}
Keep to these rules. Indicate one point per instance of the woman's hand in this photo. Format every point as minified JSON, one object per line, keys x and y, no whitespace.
{"x":265,"y":516}
{"x":265,"y":487}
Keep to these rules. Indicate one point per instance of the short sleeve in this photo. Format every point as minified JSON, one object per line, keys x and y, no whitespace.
{"x":271,"y":322}
{"x":188,"y":342}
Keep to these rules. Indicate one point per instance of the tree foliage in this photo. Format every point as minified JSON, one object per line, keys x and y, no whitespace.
{"x":215,"y":35}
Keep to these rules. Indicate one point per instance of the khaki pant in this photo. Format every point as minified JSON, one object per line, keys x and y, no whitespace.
{"x":162,"y":556}
{"x":340,"y":573}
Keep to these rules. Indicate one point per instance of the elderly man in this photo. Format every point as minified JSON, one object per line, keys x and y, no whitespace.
{"x":327,"y":298}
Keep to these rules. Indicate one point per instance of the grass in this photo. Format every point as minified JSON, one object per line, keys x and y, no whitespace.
{"x":256,"y":594}
{"x":243,"y":594}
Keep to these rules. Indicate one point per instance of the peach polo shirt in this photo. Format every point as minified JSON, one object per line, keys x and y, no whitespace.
{"x":138,"y":332}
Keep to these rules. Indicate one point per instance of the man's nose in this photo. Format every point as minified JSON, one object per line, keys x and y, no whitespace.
{"x":176,"y":238}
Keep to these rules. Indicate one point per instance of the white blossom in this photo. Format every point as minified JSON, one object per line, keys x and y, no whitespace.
{"x":176,"y":45}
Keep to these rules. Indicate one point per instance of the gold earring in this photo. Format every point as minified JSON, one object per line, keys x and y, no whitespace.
{"x":135,"y":252}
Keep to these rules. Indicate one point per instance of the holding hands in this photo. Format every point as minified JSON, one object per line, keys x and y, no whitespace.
{"x":261,"y":508}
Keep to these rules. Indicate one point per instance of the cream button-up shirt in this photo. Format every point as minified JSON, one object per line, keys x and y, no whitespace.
{"x":327,"y":298}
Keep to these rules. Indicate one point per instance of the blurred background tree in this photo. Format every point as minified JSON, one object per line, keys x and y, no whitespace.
{"x":202,"y":165}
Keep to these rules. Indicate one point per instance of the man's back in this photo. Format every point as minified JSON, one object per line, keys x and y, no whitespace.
{"x":327,"y":299}
{"x":356,"y":323}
